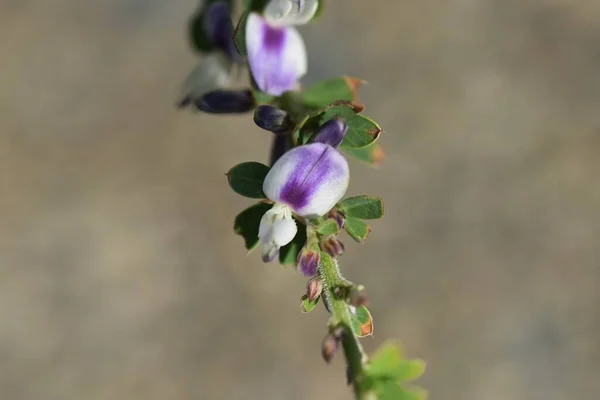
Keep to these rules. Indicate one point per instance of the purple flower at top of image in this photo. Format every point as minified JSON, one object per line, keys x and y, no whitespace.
{"x":276,"y":51}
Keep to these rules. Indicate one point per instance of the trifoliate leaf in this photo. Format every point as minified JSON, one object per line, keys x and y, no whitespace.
{"x":329,"y":91}
{"x":247,"y":179}
{"x":247,"y":222}
{"x":363,"y":207}
{"x":372,"y":154}
{"x":357,"y":229}
{"x":328,"y":227}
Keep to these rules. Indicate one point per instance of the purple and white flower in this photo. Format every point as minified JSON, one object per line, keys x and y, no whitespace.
{"x":276,"y":51}
{"x":307,"y":181}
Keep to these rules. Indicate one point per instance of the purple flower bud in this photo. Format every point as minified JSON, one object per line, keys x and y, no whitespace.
{"x":219,"y":29}
{"x":314,"y":287}
{"x":338,"y":216}
{"x":329,"y":347}
{"x":332,"y":132}
{"x":226,"y":101}
{"x":308,"y":261}
{"x":333,"y":246}
{"x":272,"y":119}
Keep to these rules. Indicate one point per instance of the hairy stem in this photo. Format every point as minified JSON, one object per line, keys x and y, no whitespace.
{"x":355,"y":357}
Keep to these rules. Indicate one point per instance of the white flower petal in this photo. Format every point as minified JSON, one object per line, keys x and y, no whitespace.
{"x":290,"y":12}
{"x":284,"y":231}
{"x":213,"y":72}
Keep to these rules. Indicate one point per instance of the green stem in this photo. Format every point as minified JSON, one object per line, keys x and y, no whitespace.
{"x":355,"y":357}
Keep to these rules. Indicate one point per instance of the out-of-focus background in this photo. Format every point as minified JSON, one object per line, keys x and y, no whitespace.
{"x":121,"y":278}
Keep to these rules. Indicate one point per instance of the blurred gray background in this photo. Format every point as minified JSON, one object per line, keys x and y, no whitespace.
{"x":121,"y":278}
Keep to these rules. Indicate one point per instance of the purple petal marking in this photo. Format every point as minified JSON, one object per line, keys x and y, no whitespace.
{"x":276,"y":55}
{"x":320,"y":168}
{"x":332,"y":132}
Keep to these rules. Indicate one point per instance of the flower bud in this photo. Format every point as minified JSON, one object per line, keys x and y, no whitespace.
{"x":314,"y":286}
{"x":333,"y":246}
{"x":338,"y":216}
{"x":308,"y":261}
{"x":329,"y":347}
{"x":332,"y":132}
{"x":272,"y":119}
{"x":226,"y":101}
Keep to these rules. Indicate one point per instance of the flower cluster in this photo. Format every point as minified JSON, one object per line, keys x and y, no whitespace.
{"x":301,"y":209}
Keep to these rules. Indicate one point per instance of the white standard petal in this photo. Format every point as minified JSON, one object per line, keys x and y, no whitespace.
{"x":213,"y":72}
{"x":276,"y":55}
{"x":290,"y":12}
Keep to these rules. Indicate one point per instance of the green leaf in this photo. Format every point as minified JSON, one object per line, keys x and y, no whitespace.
{"x":239,"y":36}
{"x":310,"y":125}
{"x":247,"y":179}
{"x":362,"y":322}
{"x":390,"y":390}
{"x":255,"y":5}
{"x":196,"y":32}
{"x":372,"y":154}
{"x":357,"y":229}
{"x":288,"y":254}
{"x":329,"y":91}
{"x":362,"y":131}
{"x":307,"y":306}
{"x":363,"y":207}
{"x":389,"y":363}
{"x":319,"y":10}
{"x":328,"y":227}
{"x":247,"y":222}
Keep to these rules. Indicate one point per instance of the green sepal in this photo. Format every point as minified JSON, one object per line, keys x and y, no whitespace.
{"x":247,"y":222}
{"x":247,"y":179}
{"x":357,"y":229}
{"x":328,"y":227}
{"x":362,"y":322}
{"x":329,"y":91}
{"x":363,"y":207}
{"x":307,"y":306}
{"x":262,"y":97}
{"x":239,"y":35}
{"x":197,"y":35}
{"x":288,"y":254}
{"x":372,"y":154}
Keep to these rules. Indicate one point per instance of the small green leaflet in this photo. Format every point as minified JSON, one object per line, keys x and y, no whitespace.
{"x":247,"y":179}
{"x":247,"y":222}
{"x":357,"y":229}
{"x":363,"y":207}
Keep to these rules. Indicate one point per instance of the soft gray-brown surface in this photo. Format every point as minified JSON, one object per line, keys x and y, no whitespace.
{"x":120,"y":276}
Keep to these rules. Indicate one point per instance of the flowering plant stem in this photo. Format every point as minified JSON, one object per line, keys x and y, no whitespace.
{"x":353,"y":352}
